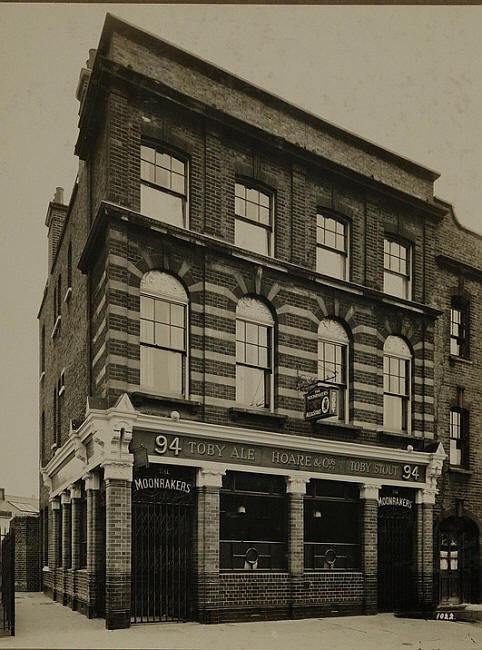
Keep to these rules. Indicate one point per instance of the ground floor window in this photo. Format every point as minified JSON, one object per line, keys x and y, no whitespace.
{"x":253,"y":522}
{"x":332,"y":525}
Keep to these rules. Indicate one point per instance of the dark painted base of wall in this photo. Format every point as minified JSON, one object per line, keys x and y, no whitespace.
{"x":280,"y":612}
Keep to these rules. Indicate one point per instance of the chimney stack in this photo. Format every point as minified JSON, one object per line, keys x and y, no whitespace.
{"x":56,"y":214}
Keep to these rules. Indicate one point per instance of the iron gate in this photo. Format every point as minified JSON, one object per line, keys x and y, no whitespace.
{"x":161,"y":548}
{"x":396,"y":583}
{"x":7,"y":584}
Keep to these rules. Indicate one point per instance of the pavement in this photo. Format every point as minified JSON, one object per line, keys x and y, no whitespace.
{"x":42,"y":623}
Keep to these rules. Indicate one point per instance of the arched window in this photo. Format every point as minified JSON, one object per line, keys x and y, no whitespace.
{"x":333,"y":360}
{"x":254,"y":351}
{"x":396,"y":384}
{"x":163,"y":334}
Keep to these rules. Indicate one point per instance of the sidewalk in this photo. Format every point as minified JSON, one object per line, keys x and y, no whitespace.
{"x":42,"y":623}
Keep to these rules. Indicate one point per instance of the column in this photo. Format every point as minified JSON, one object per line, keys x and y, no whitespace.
{"x":54,"y":529}
{"x":118,"y":524}
{"x":369,"y":496}
{"x":95,"y":544}
{"x":208,"y":484}
{"x":296,"y":490}
{"x":75,"y":495}
{"x":425,"y":500}
{"x":66,"y":529}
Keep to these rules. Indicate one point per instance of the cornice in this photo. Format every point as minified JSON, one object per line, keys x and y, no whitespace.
{"x":445,"y":261}
{"x":210,"y":244}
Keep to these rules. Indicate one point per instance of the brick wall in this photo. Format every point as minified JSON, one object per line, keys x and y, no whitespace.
{"x":27,"y":553}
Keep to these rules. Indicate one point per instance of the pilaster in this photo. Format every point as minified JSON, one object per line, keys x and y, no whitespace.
{"x":369,"y":496}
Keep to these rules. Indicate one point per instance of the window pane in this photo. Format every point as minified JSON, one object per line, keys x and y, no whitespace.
{"x":147,"y":307}
{"x":177,"y":338}
{"x":330,"y":263}
{"x":147,"y":171}
{"x":252,"y":237}
{"x":162,"y":177}
{"x":240,"y":330}
{"x":147,"y":153}
{"x":147,"y":331}
{"x":240,"y":351}
{"x":240,"y":207}
{"x":264,"y":215}
{"x":159,"y":205}
{"x":178,"y":166}
{"x":178,"y":184}
{"x":161,"y":370}
{"x":393,"y":412}
{"x":252,"y":354}
{"x":251,"y":333}
{"x":395,"y":285}
{"x":252,"y":211}
{"x":177,"y":315}
{"x":162,"y":335}
{"x":250,"y":386}
{"x":455,"y":454}
{"x":162,"y":311}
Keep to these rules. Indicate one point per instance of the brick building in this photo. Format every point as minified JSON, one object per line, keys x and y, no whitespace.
{"x":458,"y":381}
{"x":237,"y":355}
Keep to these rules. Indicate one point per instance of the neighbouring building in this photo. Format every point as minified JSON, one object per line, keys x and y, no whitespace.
{"x":237,"y":346}
{"x":20,"y":515}
{"x":458,"y":386}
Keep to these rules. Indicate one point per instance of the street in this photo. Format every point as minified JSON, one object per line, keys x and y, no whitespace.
{"x":42,"y":623}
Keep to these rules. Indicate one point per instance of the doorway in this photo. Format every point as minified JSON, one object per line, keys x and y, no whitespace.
{"x":162,"y":527}
{"x":396,"y":542}
{"x":458,"y":561}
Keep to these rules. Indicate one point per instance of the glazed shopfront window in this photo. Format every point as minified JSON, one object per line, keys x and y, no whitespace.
{"x":332,"y":526}
{"x":253,"y":522}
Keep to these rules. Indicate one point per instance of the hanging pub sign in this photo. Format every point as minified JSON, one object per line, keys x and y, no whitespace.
{"x":321,"y":402}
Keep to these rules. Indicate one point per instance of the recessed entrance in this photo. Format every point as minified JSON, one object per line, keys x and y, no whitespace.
{"x":458,"y":561}
{"x":396,"y":532}
{"x":162,"y":523}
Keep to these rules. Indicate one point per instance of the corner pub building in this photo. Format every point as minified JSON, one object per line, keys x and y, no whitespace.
{"x":237,"y":355}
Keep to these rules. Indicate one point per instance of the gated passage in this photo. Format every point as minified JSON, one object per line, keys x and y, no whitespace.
{"x":7,"y":585}
{"x":162,"y":524}
{"x":396,"y":531}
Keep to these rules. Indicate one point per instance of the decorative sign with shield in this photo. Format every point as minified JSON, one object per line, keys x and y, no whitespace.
{"x":321,"y":401}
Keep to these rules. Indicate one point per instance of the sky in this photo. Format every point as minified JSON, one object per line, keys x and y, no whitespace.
{"x":405,"y":77}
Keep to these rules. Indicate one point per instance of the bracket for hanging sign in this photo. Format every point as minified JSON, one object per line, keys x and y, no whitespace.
{"x":321,"y":401}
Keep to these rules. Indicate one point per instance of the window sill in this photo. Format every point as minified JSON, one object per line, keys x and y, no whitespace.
{"x":387,"y":433}
{"x":455,"y":469}
{"x":241,"y":413}
{"x":140,"y":397}
{"x":56,"y":327}
{"x":453,"y":359}
{"x":344,"y":427}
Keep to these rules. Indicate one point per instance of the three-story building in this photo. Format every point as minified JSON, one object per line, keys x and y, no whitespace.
{"x":237,"y":355}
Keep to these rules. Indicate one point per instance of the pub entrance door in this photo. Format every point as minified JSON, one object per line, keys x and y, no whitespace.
{"x":459,"y":561}
{"x":396,"y":542}
{"x":162,"y":525}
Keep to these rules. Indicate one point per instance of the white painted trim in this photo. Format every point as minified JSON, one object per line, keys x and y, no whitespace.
{"x":68,"y":294}
{"x":56,"y":326}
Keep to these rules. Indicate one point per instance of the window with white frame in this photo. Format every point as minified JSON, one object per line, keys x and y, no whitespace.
{"x":331,"y":247}
{"x":396,"y":269}
{"x":254,"y":351}
{"x":253,"y":228}
{"x":396,"y":384}
{"x":458,"y":437}
{"x":333,"y":360}
{"x":163,"y":186}
{"x":163,"y":334}
{"x":459,"y":340}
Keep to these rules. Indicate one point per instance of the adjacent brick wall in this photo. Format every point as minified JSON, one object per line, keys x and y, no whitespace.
{"x":27,"y":553}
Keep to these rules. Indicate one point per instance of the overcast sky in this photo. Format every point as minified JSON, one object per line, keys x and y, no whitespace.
{"x":407,"y":78}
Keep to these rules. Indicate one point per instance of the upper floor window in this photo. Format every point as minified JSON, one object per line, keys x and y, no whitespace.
{"x":459,"y":430}
{"x":254,"y":334}
{"x":163,"y":334}
{"x":332,"y":360}
{"x":331,"y":247}
{"x":459,"y":328}
{"x":253,"y":228}
{"x":396,"y":269}
{"x":163,"y":186}
{"x":396,"y":384}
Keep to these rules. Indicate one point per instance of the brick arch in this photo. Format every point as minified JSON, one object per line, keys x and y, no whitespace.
{"x":162,"y":261}
{"x":265,"y":302}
